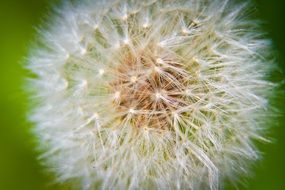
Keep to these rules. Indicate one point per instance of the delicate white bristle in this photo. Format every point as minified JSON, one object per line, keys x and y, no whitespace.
{"x":151,"y":94}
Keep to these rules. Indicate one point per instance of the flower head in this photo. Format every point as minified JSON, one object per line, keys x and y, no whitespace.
{"x":150,"y":94}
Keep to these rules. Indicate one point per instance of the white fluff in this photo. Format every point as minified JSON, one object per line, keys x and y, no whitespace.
{"x":213,"y":58}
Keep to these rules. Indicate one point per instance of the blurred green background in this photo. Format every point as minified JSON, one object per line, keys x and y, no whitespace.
{"x":19,"y":169}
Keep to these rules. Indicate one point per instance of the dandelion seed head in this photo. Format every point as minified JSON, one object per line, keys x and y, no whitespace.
{"x":152,"y":94}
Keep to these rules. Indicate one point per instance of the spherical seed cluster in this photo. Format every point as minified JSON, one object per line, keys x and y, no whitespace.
{"x":151,"y":94}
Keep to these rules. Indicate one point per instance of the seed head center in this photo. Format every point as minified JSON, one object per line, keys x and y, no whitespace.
{"x":148,"y":98}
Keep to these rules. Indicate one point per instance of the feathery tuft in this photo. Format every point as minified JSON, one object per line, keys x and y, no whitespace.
{"x":151,"y":94}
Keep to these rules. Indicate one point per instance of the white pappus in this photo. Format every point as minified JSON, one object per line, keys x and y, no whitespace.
{"x":150,"y":94}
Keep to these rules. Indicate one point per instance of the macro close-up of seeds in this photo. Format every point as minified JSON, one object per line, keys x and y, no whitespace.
{"x":150,"y":94}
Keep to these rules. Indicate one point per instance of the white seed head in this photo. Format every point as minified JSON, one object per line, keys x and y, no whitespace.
{"x":182,"y":96}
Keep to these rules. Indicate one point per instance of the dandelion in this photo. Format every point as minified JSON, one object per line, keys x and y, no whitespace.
{"x":151,"y":94}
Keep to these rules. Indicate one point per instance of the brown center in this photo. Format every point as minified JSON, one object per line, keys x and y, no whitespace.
{"x":148,"y":89}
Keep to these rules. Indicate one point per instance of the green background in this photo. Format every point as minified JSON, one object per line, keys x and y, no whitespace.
{"x":19,"y":169}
